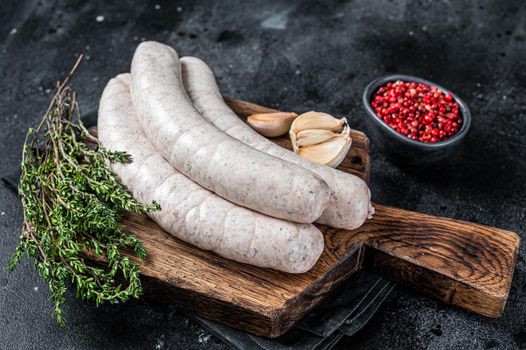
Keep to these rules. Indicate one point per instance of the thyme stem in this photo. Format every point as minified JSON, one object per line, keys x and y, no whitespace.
{"x":72,"y":204}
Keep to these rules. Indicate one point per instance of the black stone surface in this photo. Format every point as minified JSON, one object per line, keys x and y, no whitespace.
{"x":297,"y":56}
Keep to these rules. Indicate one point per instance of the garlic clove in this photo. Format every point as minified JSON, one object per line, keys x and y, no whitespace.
{"x":313,"y":137}
{"x":341,"y":156}
{"x":346,"y":132}
{"x":331,"y":152}
{"x":272,"y":124}
{"x":316,"y":120}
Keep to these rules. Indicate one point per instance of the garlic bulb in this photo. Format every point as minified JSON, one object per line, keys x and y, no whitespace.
{"x":271,"y":124}
{"x":321,"y":137}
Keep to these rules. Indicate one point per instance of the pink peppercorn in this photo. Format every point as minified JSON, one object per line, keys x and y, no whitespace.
{"x":417,"y":111}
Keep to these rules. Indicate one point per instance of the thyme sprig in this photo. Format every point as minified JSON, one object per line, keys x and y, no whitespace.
{"x":72,"y":205}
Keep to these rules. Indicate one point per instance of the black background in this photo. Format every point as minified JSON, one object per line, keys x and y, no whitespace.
{"x":297,"y":56}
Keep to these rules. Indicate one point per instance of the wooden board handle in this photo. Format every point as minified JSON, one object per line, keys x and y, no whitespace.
{"x":461,"y":263}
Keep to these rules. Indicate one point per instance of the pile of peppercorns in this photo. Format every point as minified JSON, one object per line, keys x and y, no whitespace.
{"x":418,"y":111}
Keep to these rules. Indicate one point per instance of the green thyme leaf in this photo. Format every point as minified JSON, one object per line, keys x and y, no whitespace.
{"x":73,"y":205}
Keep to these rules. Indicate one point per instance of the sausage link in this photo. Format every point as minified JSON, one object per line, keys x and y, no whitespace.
{"x":192,"y":213}
{"x":350,"y":203}
{"x":210,"y":157}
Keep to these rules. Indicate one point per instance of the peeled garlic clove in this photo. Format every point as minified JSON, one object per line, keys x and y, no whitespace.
{"x":316,"y":120}
{"x":272,"y":124}
{"x":313,"y":137}
{"x":331,"y":152}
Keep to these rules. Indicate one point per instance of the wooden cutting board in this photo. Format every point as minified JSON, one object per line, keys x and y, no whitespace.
{"x":460,"y":263}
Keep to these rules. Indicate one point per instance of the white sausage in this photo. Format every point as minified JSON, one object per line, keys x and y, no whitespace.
{"x":210,"y":157}
{"x":350,"y":201}
{"x":192,"y":213}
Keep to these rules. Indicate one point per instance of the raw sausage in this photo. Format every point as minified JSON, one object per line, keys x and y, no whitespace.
{"x":192,"y":213}
{"x":350,"y":201}
{"x":210,"y":157}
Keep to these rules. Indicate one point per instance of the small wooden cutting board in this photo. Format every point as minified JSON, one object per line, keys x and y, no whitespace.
{"x":460,"y":263}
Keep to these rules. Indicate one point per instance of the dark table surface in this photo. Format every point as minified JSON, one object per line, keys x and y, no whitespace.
{"x":297,"y":56}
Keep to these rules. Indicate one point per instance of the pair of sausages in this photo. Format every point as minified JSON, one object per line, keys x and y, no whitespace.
{"x":191,"y":212}
{"x":275,"y":182}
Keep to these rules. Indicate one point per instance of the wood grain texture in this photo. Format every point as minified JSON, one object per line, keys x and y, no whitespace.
{"x":464,"y":264}
{"x":460,"y":263}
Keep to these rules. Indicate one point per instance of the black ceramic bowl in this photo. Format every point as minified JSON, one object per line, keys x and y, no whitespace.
{"x":402,"y":150}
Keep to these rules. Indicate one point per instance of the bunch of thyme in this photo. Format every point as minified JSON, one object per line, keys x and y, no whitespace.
{"x":72,"y":206}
